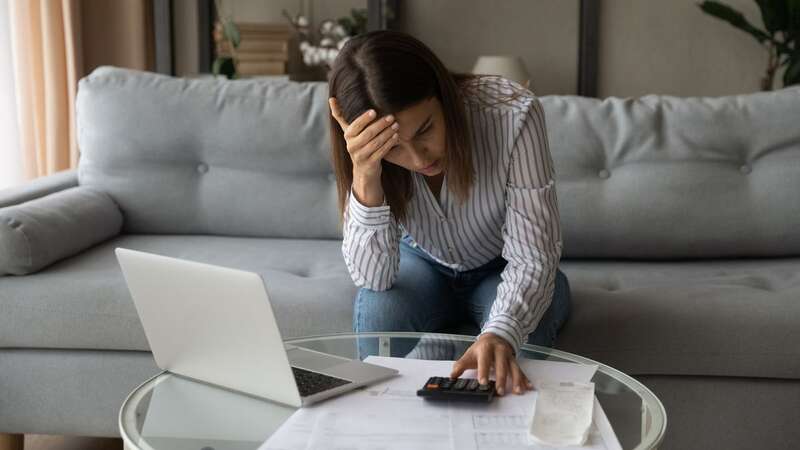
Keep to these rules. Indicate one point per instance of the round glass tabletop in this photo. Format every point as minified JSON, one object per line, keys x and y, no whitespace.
{"x":170,"y":411}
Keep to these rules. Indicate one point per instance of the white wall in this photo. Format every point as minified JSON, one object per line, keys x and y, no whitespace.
{"x":543,"y":32}
{"x":672,"y":47}
{"x":645,"y":46}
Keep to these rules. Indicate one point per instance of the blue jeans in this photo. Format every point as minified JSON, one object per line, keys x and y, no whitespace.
{"x":430,"y":297}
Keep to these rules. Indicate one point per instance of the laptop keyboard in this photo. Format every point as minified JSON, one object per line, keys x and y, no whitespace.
{"x":309,"y":383}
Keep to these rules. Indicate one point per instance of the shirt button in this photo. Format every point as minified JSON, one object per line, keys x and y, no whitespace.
{"x":745,"y":169}
{"x":202,"y":168}
{"x":604,"y":173}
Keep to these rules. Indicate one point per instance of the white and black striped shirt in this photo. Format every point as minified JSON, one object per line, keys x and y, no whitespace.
{"x":511,"y":211}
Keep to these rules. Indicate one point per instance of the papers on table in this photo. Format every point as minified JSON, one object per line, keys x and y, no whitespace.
{"x":562,"y":415}
{"x":389,"y":415}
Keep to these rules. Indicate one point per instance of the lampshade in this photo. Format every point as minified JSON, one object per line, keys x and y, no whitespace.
{"x":507,"y":66}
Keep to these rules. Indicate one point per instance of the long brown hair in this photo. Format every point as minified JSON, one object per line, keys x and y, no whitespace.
{"x":388,"y":71}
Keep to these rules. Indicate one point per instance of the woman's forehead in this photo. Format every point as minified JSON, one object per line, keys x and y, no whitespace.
{"x":415,"y":115}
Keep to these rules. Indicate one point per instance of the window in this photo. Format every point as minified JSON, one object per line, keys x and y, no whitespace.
{"x":11,"y":171}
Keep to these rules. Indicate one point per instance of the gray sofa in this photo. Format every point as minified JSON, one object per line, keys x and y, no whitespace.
{"x":681,"y":224}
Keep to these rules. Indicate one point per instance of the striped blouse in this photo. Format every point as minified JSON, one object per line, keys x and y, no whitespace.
{"x":511,"y":212}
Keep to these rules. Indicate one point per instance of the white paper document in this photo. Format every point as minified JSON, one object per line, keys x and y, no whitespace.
{"x":562,"y":414}
{"x":389,"y":415}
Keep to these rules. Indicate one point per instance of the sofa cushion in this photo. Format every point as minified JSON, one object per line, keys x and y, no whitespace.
{"x":664,"y":177}
{"x":722,"y":317}
{"x":208,"y":156}
{"x":38,"y":187}
{"x":83,"y":302}
{"x":726,"y":317}
{"x":39,"y":232}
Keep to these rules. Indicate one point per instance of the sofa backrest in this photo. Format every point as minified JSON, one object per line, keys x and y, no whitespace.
{"x":207,"y":156}
{"x":662,"y":177}
{"x":654,"y":177}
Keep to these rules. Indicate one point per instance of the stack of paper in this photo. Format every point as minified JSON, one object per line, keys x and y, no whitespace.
{"x":389,"y":415}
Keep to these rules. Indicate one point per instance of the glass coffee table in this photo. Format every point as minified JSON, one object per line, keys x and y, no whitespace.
{"x":169,"y":411}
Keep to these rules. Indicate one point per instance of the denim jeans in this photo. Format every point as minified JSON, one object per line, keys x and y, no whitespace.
{"x":430,"y":297}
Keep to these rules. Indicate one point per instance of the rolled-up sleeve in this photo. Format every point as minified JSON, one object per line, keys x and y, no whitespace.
{"x":370,"y":244}
{"x":531,"y":234}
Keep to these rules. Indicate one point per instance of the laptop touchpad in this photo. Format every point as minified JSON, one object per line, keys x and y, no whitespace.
{"x":312,"y":360}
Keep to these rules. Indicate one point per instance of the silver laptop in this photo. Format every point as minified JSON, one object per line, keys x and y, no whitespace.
{"x":216,"y":325}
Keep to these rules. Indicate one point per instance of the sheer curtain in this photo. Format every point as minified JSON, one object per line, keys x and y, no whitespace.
{"x":45,"y":61}
{"x":11,"y":169}
{"x":45,"y":47}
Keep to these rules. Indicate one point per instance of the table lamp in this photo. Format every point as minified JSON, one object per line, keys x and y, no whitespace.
{"x":507,"y":66}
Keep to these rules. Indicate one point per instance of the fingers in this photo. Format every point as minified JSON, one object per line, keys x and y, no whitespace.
{"x":505,"y":365}
{"x":464,"y":363}
{"x":354,"y":128}
{"x":501,"y":370}
{"x":357,"y":126}
{"x":371,"y":132}
{"x":518,"y":378}
{"x":484,"y":363}
{"x":336,"y":113}
{"x":385,"y":141}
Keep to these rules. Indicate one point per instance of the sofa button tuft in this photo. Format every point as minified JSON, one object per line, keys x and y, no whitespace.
{"x":604,"y":174}
{"x":202,"y":168}
{"x":745,"y":169}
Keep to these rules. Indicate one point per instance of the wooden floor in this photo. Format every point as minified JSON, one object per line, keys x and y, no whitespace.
{"x":48,"y":442}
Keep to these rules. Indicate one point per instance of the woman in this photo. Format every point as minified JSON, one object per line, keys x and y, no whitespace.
{"x":448,"y":201}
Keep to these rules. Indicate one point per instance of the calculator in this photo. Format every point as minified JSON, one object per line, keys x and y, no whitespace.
{"x":468,"y":389}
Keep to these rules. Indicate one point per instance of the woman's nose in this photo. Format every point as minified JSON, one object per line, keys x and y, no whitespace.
{"x":418,"y":157}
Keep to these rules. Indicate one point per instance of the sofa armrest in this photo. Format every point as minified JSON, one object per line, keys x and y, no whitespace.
{"x":39,"y":232}
{"x":38,"y":187}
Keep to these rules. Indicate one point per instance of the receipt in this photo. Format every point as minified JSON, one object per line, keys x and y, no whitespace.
{"x":562,"y":413}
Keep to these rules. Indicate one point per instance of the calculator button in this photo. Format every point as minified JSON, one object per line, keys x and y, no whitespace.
{"x":483,"y":387}
{"x":446,"y":383}
{"x":472,"y":385}
{"x":460,"y":384}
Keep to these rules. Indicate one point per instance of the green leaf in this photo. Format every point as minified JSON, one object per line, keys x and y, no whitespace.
{"x":792,"y":74}
{"x":348,"y":25}
{"x":733,"y":17}
{"x":232,"y":33}
{"x":224,"y":66}
{"x":775,"y":14}
{"x":793,"y":23}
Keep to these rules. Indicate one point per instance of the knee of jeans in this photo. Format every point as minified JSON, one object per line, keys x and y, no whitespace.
{"x":384,"y":311}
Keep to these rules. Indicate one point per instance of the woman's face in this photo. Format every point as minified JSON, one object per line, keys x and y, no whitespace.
{"x":421,"y":143}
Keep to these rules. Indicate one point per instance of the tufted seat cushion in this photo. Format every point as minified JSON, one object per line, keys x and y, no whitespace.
{"x":729,"y":318}
{"x":83,"y":302}
{"x":720,"y":317}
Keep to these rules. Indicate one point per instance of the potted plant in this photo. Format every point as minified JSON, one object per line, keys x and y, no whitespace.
{"x":780,"y":37}
{"x":226,"y":65}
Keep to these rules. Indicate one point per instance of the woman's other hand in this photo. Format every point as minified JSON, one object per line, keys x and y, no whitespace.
{"x":368,"y":141}
{"x":488,"y":351}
